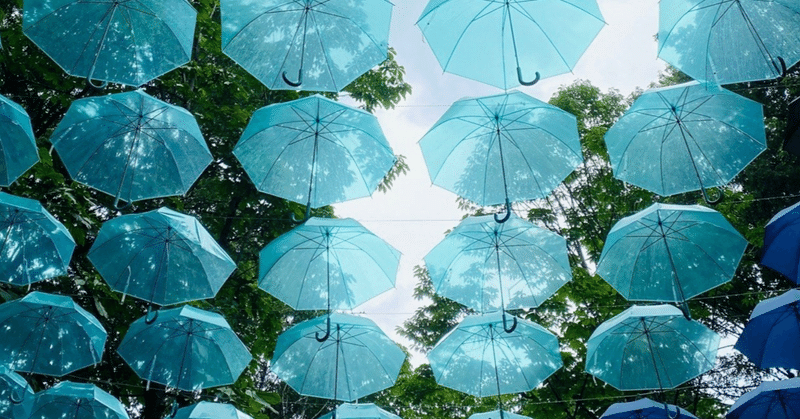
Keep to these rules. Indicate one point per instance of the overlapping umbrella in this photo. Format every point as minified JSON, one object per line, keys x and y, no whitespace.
{"x":773,"y":332}
{"x":18,"y":150}
{"x":69,"y":400}
{"x":359,"y":411}
{"x":498,"y":414}
{"x":645,"y":409}
{"x":208,"y":410}
{"x":782,"y":243}
{"x":770,"y":400}
{"x":16,"y":395}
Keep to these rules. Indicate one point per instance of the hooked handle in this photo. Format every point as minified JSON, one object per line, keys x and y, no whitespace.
{"x":506,"y":216}
{"x":527,"y":83}
{"x":150,"y":311}
{"x":713,"y":198}
{"x":294,"y":83}
{"x":327,"y":331}
{"x":780,"y":67}
{"x":506,"y":328}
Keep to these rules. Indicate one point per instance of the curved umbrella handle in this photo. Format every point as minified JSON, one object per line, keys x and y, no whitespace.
{"x":147,"y":319}
{"x":527,"y":83}
{"x":780,"y":67}
{"x":677,"y":412}
{"x":294,"y":83}
{"x":327,"y":331}
{"x":118,"y":207}
{"x":711,"y":199}
{"x":507,"y":214}
{"x":505,"y":324}
{"x":16,"y":399}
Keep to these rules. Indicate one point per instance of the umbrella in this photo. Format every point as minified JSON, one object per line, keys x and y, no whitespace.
{"x":314,"y":151}
{"x":208,"y":410}
{"x":161,"y":256}
{"x":770,"y":400}
{"x":359,"y":411}
{"x":729,"y":41}
{"x":16,"y":396}
{"x":772,"y":335}
{"x":498,"y":414}
{"x":781,"y":238}
{"x":490,"y":266}
{"x":131,"y":146}
{"x":478,"y":357}
{"x":319,"y":45}
{"x":501,"y":149}
{"x":645,"y":409}
{"x":504,"y":43}
{"x":670,"y":253}
{"x":650,"y":347}
{"x":185,"y":348}
{"x":49,"y":334}
{"x":18,"y":150}
{"x":34,"y":246}
{"x":68,"y":400}
{"x":327,"y":263}
{"x":121,"y":41}
{"x":684,"y":138}
{"x":337,"y":356}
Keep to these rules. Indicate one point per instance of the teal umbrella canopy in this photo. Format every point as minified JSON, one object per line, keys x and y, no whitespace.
{"x":313,"y":45}
{"x":207,"y":410}
{"x":498,"y":414}
{"x":34,"y":246}
{"x":49,"y":334}
{"x":645,"y":409}
{"x":160,"y":256}
{"x":683,"y":138}
{"x":131,"y":146}
{"x":359,"y":411}
{"x":491,"y":266}
{"x":729,"y":41}
{"x":122,"y":41}
{"x":650,"y":347}
{"x":670,"y":253}
{"x":18,"y":150}
{"x":69,"y":400}
{"x":509,"y":43}
{"x":480,"y":357}
{"x":16,"y":395}
{"x":314,"y":151}
{"x":770,"y":400}
{"x":337,"y":357}
{"x":507,"y":147}
{"x":185,"y":348}
{"x":327,"y":263}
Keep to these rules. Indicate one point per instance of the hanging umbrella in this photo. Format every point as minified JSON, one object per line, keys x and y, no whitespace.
{"x":121,"y":41}
{"x":645,"y":409}
{"x":359,"y":411}
{"x":729,"y":41}
{"x":684,"y":138}
{"x":781,"y":238}
{"x":772,"y":335}
{"x":49,"y":334}
{"x":314,"y":151}
{"x":207,"y":410}
{"x":498,"y":414}
{"x":670,"y":253}
{"x":338,"y":357}
{"x":34,"y":246}
{"x":501,"y":149}
{"x":650,"y":347}
{"x":131,"y":146}
{"x":68,"y":400}
{"x":770,"y":400}
{"x":185,"y":348}
{"x":16,"y":396}
{"x":161,"y":256}
{"x":504,"y":43}
{"x":490,"y":266}
{"x":317,"y":45}
{"x":480,"y":358}
{"x":18,"y":150}
{"x":327,"y":263}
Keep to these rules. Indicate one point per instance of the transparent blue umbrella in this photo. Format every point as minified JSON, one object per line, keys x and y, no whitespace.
{"x":16,"y":395}
{"x":359,"y":411}
{"x":313,"y":45}
{"x":121,"y":41}
{"x":18,"y":150}
{"x":34,"y":246}
{"x":69,"y":400}
{"x":160,"y":256}
{"x":185,"y":348}
{"x":649,"y":348}
{"x":501,"y":149}
{"x":337,"y":357}
{"x":327,"y":263}
{"x":131,"y":146}
{"x":770,"y":400}
{"x":498,"y":414}
{"x":687,"y":137}
{"x":509,"y":43}
{"x":314,"y":151}
{"x":782,"y":243}
{"x":49,"y":334}
{"x":772,"y":335}
{"x":645,"y":409}
{"x":729,"y":41}
{"x":208,"y":410}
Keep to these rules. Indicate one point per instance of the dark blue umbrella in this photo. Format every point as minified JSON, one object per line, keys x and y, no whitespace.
{"x":69,"y":400}
{"x":772,"y":335}
{"x":770,"y":400}
{"x":18,"y":150}
{"x":782,"y":243}
{"x":16,"y":395}
{"x":645,"y":409}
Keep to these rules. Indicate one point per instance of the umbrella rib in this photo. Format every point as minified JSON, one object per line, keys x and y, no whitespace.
{"x":267,"y":12}
{"x":486,"y":11}
{"x":375,"y":43}
{"x":153,"y":16}
{"x":324,"y":50}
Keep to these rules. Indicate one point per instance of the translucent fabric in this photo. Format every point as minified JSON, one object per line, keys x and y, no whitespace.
{"x":508,"y":146}
{"x":208,"y":410}
{"x":498,"y":414}
{"x":770,"y":338}
{"x":356,"y":359}
{"x":77,"y":401}
{"x":645,"y":409}
{"x":16,"y":395}
{"x":685,"y":138}
{"x":490,"y":266}
{"x":121,"y":41}
{"x":782,"y":243}
{"x":160,"y":256}
{"x":314,"y":151}
{"x":670,"y":253}
{"x":650,"y":347}
{"x":770,"y":400}
{"x":729,"y":41}
{"x":327,"y":263}
{"x":34,"y":246}
{"x":488,"y":40}
{"x":185,"y":348}
{"x":359,"y":411}
{"x":18,"y":150}
{"x":49,"y":334}
{"x":480,"y":358}
{"x":317,"y":45}
{"x":131,"y":146}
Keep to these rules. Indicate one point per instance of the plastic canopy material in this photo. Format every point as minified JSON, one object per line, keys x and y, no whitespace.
{"x":359,"y":411}
{"x":71,"y":400}
{"x":498,"y":414}
{"x":772,"y":334}
{"x":782,"y":243}
{"x":16,"y":395}
{"x":645,"y":409}
{"x":18,"y":151}
{"x":770,"y":400}
{"x":208,"y":410}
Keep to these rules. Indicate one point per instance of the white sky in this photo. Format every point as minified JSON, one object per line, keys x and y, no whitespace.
{"x":414,"y":214}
